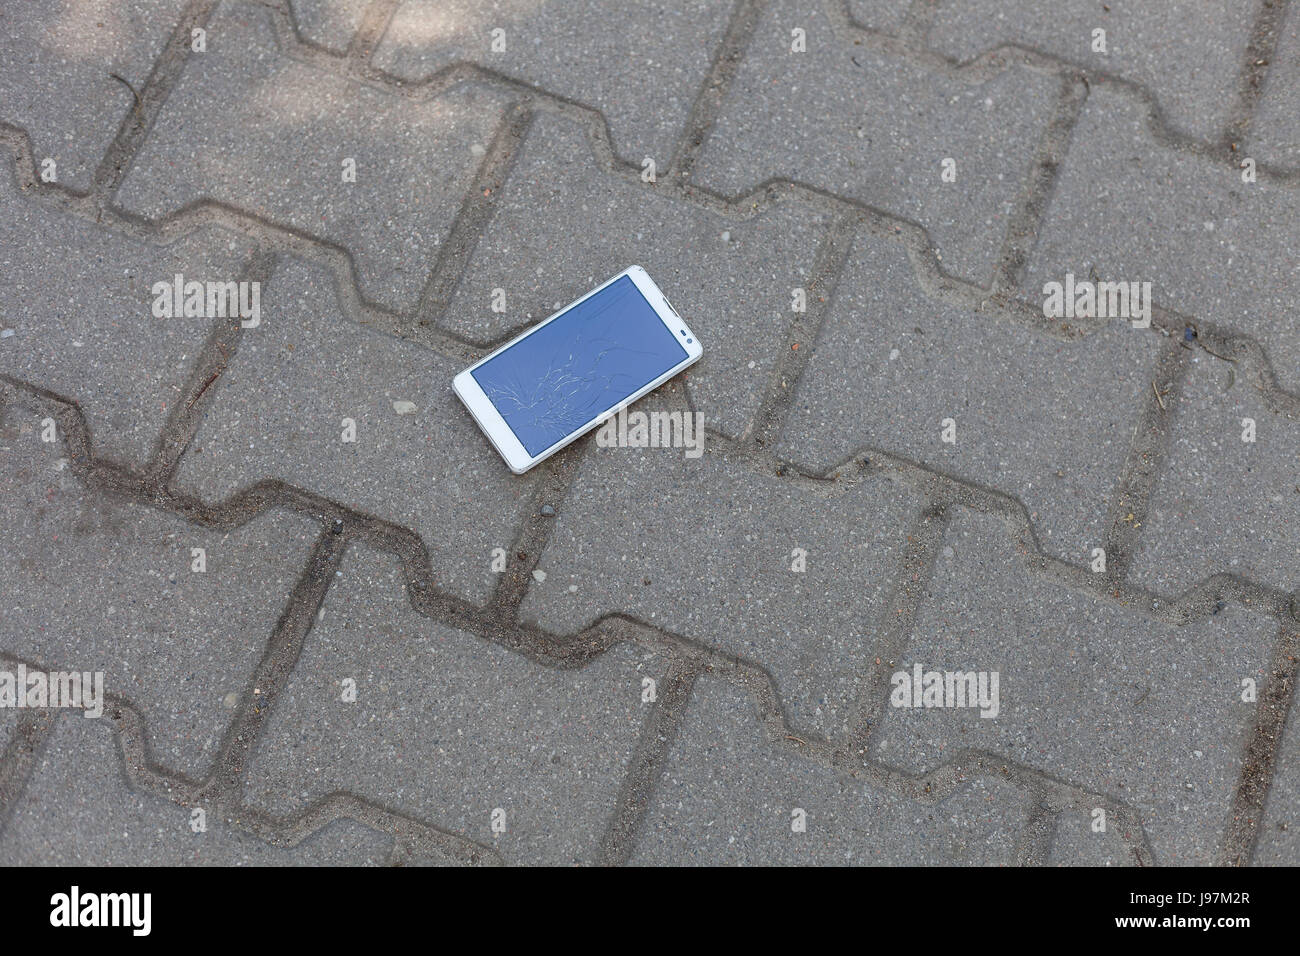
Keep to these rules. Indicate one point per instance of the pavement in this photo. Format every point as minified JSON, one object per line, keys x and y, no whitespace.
{"x":956,"y":581}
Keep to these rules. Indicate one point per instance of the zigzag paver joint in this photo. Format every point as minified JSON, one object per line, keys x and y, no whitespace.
{"x":539,"y":737}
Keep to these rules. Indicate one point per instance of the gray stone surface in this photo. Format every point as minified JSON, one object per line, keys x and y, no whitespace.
{"x":728,"y":798}
{"x":887,"y":16}
{"x":1214,"y":248}
{"x":1188,"y":55}
{"x":245,"y":109}
{"x":278,"y":413}
{"x":242,"y":161}
{"x":731,"y":279}
{"x":1031,"y":419}
{"x":328,"y":23}
{"x":56,"y":66}
{"x":1275,"y":134}
{"x":704,"y":549}
{"x":86,"y":329}
{"x":1190,"y":533}
{"x":639,"y":63}
{"x":78,"y":809}
{"x":449,"y":728}
{"x":1090,"y":692}
{"x":92,"y":583}
{"x":1279,"y":835}
{"x":875,"y":128}
{"x":9,"y":726}
{"x":1075,"y":842}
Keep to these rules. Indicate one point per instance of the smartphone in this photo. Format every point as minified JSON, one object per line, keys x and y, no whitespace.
{"x":558,"y":380}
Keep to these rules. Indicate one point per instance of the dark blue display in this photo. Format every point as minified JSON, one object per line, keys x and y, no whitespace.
{"x":585,"y":362}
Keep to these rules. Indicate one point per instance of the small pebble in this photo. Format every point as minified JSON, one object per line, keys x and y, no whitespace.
{"x":548,"y":511}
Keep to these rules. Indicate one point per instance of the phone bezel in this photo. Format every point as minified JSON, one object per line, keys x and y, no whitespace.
{"x":494,"y":426}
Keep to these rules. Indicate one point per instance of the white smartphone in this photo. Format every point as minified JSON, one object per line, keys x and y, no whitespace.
{"x":558,"y":380}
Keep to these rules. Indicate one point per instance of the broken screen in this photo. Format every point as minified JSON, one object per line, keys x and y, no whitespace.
{"x":578,"y":366}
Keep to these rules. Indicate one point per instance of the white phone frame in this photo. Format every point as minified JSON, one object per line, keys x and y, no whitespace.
{"x":494,"y":425}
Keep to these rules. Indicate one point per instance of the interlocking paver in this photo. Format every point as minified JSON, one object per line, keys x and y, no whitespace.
{"x":1090,"y":691}
{"x":250,"y":127}
{"x":1077,"y":842}
{"x":480,"y":170}
{"x":1215,"y":248}
{"x":731,"y":279}
{"x":87,"y":329}
{"x":279,"y":411}
{"x":704,"y":548}
{"x":1274,"y":135}
{"x":891,"y":365}
{"x":78,"y":809}
{"x":1189,"y":534}
{"x":93,"y":583}
{"x":329,"y":23}
{"x":1189,"y":56}
{"x":1279,"y":834}
{"x":57,"y":62}
{"x":876,"y":128}
{"x":729,"y":797}
{"x":448,"y":728}
{"x":642,"y":74}
{"x":887,"y":16}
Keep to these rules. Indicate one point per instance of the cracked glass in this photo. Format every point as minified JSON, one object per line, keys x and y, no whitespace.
{"x":579,"y":365}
